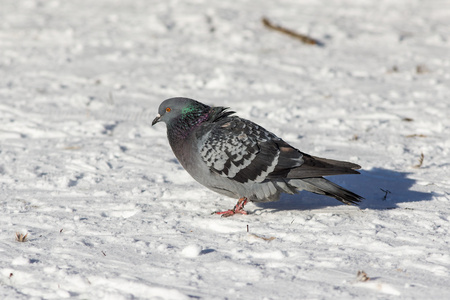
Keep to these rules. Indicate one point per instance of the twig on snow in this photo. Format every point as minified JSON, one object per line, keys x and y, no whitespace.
{"x":263,"y":238}
{"x":385,"y":195}
{"x":416,"y":135}
{"x":303,"y":38}
{"x":420,"y":161}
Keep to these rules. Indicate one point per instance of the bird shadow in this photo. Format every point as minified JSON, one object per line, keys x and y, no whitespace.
{"x":381,"y":188}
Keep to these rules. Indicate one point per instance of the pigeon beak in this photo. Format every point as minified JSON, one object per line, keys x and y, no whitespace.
{"x":157,"y":119}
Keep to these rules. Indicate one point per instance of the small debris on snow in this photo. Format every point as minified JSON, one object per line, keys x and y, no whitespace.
{"x":420,"y":161}
{"x":262,"y":238}
{"x":362,"y":276}
{"x":20,"y":237}
{"x":386,"y":193}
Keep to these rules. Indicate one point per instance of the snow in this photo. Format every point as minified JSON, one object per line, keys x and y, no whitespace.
{"x":192,"y":251}
{"x":109,"y":212}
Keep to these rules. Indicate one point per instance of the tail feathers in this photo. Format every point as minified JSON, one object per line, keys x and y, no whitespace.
{"x":338,"y":163}
{"x":323,"y":186}
{"x":313,"y":167}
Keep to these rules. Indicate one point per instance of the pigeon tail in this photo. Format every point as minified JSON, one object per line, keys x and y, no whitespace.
{"x":323,"y":186}
{"x":314,"y":166}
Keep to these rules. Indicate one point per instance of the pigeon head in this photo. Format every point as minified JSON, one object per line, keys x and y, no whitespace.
{"x":178,"y":109}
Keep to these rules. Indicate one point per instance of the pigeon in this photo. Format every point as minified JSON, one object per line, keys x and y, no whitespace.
{"x":238,"y":158}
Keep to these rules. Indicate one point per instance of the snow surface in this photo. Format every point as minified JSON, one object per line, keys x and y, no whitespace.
{"x":109,"y":212}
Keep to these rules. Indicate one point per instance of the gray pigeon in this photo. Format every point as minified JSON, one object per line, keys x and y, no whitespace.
{"x":238,"y":158}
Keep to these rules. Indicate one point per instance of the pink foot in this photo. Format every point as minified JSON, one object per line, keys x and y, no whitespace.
{"x":238,"y":209}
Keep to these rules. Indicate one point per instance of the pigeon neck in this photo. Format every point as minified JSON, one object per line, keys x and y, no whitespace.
{"x":181,"y":128}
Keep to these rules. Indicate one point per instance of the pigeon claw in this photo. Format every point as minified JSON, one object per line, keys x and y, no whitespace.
{"x":238,"y":209}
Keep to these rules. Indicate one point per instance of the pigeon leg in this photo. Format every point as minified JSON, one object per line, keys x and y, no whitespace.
{"x":238,"y":209}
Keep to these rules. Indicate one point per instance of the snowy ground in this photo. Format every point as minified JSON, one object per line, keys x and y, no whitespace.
{"x":109,"y":212}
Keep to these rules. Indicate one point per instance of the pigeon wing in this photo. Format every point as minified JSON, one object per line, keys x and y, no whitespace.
{"x":243,"y":151}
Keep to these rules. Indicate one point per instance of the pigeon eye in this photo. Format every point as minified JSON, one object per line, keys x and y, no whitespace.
{"x":168,"y":109}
